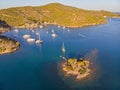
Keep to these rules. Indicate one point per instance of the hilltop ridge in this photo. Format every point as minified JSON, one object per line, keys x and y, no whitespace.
{"x":53,"y":13}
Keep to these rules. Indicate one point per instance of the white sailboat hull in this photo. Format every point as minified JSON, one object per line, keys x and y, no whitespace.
{"x":31,"y":40}
{"x":38,"y":41}
{"x":63,"y":49}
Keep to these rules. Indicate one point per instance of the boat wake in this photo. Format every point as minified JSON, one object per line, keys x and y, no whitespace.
{"x":82,"y":35}
{"x":92,"y":55}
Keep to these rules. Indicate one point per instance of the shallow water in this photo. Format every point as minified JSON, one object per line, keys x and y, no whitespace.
{"x":34,"y":67}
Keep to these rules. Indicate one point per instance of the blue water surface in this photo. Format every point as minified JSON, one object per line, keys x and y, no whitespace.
{"x":35,"y":67}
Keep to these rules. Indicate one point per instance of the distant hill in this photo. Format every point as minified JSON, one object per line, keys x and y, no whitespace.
{"x":53,"y":13}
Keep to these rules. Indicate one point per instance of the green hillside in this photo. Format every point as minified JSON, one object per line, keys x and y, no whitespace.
{"x":53,"y":13}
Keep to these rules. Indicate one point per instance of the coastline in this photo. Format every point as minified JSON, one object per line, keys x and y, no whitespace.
{"x":8,"y":45}
{"x":76,"y":69}
{"x":4,"y":30}
{"x":61,"y":25}
{"x":8,"y":52}
{"x":78,"y":76}
{"x":33,"y":25}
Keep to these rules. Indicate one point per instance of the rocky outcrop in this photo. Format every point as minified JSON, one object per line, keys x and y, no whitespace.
{"x":4,"y":27}
{"x":8,"y":45}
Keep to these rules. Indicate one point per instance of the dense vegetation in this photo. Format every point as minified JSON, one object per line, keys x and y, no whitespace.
{"x":53,"y":13}
{"x":8,"y":45}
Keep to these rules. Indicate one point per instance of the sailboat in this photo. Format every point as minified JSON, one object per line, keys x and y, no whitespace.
{"x":53,"y":33}
{"x":16,"y":30}
{"x":38,"y":41}
{"x":63,"y":48}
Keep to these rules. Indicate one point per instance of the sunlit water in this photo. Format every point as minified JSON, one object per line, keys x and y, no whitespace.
{"x":35,"y":67}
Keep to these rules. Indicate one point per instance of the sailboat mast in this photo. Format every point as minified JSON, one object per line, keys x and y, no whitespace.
{"x":63,"y":46}
{"x":39,"y":36}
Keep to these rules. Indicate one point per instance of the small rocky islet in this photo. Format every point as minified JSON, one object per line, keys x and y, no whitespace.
{"x":76,"y":67}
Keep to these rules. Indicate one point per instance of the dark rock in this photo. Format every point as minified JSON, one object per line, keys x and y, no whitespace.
{"x":4,"y":27}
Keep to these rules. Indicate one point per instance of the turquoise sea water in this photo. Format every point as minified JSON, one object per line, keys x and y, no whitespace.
{"x":35,"y":67}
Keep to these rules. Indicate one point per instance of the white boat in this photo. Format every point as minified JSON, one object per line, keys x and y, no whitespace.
{"x":39,"y":41}
{"x":26,"y":36}
{"x":68,"y":30}
{"x":16,"y":30}
{"x":54,"y":35}
{"x":33,"y":31}
{"x":41,"y":26}
{"x":37,"y":33}
{"x":58,"y":26}
{"x":63,"y":48}
{"x":64,"y":27}
{"x":52,"y":31}
{"x":31,"y":40}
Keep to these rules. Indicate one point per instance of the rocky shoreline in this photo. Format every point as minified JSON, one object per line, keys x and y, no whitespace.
{"x":8,"y":45}
{"x":4,"y":27}
{"x":4,"y":30}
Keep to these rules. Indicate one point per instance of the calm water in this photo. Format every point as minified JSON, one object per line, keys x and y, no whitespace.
{"x":34,"y":67}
